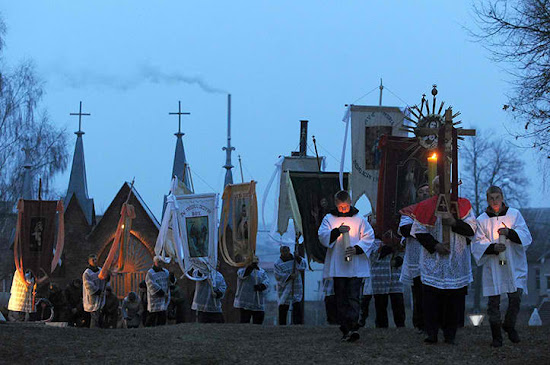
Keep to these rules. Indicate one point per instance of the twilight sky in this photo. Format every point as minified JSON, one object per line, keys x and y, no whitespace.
{"x":282,"y":61}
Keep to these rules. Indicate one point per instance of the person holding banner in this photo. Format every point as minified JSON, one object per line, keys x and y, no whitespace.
{"x":499,"y":245}
{"x":252,"y":282}
{"x":288,"y":273}
{"x":350,"y":240}
{"x":23,"y":292}
{"x":93,"y":296}
{"x":207,"y":300}
{"x":158,"y":293}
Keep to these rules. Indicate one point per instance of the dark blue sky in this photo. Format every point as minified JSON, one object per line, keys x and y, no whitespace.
{"x":131,"y":61}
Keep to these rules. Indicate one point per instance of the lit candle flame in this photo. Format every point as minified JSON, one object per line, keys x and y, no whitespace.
{"x":433,"y":157}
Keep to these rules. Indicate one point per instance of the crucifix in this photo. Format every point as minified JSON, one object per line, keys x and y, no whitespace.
{"x":444,"y":163}
{"x":179,"y":113}
{"x":80,"y":114}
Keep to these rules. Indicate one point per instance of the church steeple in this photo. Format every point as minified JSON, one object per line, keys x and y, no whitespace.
{"x":27,"y":192}
{"x":78,"y":185}
{"x":181,"y":167}
{"x":228,"y":149}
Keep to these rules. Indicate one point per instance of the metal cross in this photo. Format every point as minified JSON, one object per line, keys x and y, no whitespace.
{"x":80,"y":114}
{"x":179,"y":114}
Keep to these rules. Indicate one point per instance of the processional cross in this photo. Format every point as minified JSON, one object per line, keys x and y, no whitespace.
{"x":80,"y":114}
{"x":439,"y":135}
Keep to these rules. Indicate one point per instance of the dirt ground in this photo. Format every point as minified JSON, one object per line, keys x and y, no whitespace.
{"x":192,"y":343}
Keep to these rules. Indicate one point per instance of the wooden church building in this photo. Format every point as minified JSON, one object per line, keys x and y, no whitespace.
{"x":86,"y":233}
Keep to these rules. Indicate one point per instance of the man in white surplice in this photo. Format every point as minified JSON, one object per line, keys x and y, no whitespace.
{"x":93,"y":287}
{"x":158,"y":293}
{"x":506,"y":277}
{"x":445,"y":267}
{"x":207,"y":300}
{"x":252,"y":283}
{"x":288,"y":272}
{"x":348,"y":274}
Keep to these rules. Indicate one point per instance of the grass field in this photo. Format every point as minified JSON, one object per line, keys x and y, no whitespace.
{"x":192,"y":343}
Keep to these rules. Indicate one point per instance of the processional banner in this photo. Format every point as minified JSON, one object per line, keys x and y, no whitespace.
{"x":314,"y":192}
{"x":239,"y":224}
{"x":39,"y":236}
{"x":403,"y":169}
{"x":115,"y":259}
{"x":292,"y":163}
{"x":189,"y":234}
{"x":368,"y":125}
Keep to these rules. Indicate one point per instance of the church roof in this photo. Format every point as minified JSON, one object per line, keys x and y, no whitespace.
{"x":107,"y":221}
{"x":181,"y":167}
{"x":78,"y":185}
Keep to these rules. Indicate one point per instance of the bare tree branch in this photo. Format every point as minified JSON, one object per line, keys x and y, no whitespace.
{"x":518,"y":33}
{"x":23,"y":125}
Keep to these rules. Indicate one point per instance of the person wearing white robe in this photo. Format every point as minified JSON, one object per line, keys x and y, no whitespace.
{"x":288,"y":272}
{"x":22,"y":295}
{"x":445,"y":267}
{"x":252,"y":284}
{"x":410,"y":272}
{"x":347,"y":274}
{"x":93,"y":293}
{"x":384,"y":285}
{"x":207,"y":300}
{"x":509,"y":278}
{"x":158,"y":293}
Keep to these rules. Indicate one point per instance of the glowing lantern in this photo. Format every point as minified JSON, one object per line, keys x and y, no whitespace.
{"x":476,"y":319}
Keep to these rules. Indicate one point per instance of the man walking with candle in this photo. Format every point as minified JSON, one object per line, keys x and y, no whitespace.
{"x":499,"y":245}
{"x":347,"y":263}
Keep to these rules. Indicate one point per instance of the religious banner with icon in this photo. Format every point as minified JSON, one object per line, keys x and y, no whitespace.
{"x":368,"y":125}
{"x":314,"y":193}
{"x":39,"y":235}
{"x":239,"y":224}
{"x":189,"y":234}
{"x":403,"y":169}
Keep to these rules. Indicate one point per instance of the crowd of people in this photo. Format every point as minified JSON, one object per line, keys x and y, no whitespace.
{"x":432,"y":255}
{"x":361,"y":264}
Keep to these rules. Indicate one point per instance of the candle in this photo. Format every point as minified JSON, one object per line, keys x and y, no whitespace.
{"x":432,"y":171}
{"x":502,"y":255}
{"x":345,"y":238}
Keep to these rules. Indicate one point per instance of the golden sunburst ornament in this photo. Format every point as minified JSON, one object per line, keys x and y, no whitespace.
{"x":428,"y":122}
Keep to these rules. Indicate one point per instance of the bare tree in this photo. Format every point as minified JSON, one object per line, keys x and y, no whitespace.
{"x":24,"y":126}
{"x":518,"y":33}
{"x":487,"y":162}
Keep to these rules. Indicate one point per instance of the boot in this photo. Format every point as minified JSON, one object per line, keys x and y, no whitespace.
{"x":497,"y":335}
{"x":512,"y":334}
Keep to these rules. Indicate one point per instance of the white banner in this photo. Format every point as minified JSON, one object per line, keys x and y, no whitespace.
{"x":195,"y":246}
{"x":368,"y":124}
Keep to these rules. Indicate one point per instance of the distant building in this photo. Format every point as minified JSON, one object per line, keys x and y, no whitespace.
{"x":538,"y":255}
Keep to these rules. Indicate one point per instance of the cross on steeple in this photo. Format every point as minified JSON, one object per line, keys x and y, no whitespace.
{"x":80,"y":114}
{"x":179,"y":114}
